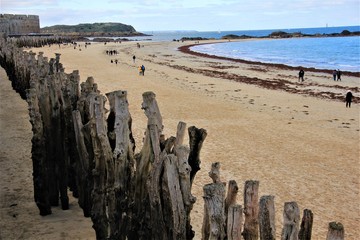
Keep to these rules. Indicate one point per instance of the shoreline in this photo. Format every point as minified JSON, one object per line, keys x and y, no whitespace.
{"x":327,"y":91}
{"x":186,"y":49}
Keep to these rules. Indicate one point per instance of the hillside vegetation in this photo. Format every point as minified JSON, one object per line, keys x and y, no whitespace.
{"x":92,"y":29}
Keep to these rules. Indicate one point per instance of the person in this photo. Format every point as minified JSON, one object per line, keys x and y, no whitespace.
{"x":338,"y":75}
{"x":143,"y":70}
{"x":334,"y":74}
{"x":301,"y":75}
{"x":348,"y":98}
{"x":134,"y":58}
{"x":140,"y":71}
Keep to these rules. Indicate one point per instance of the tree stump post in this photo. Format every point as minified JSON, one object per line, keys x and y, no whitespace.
{"x":306,"y":225}
{"x":336,"y":231}
{"x":174,"y":208}
{"x":119,"y":130}
{"x":231,"y":195}
{"x":291,"y":221}
{"x":267,"y":218}
{"x":234,"y":222}
{"x":214,"y":206}
{"x":38,"y":154}
{"x":251,"y":210}
{"x":196,"y":138}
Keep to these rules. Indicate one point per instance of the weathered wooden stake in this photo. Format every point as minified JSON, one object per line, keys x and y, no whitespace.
{"x":267,"y":218}
{"x":251,"y":210}
{"x":336,"y":231}
{"x":306,"y":225}
{"x":231,"y":195}
{"x":234,"y":222}
{"x":197,"y":137}
{"x":291,"y":221}
{"x":214,"y":206}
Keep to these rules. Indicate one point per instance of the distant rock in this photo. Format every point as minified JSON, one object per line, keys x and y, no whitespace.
{"x":233,"y":36}
{"x":281,"y":34}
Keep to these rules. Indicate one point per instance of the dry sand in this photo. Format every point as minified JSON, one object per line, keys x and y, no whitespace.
{"x":300,"y":147}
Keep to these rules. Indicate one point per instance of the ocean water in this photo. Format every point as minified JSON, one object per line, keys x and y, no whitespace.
{"x":323,"y":53}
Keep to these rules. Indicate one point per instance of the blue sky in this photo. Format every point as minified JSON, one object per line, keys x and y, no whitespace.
{"x":200,"y":15}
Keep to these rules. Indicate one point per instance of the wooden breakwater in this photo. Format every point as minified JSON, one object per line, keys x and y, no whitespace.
{"x":81,"y":146}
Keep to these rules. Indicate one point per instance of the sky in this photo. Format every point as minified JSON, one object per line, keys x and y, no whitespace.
{"x":199,"y":15}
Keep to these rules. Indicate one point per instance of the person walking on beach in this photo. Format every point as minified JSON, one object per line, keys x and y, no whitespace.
{"x":301,"y":75}
{"x":134,"y":58}
{"x":334,"y":74}
{"x":143,"y":70}
{"x":140,"y":71}
{"x":348,"y":98}
{"x":338,"y":75}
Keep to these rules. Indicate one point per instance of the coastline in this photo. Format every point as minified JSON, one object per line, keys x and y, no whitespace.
{"x":186,"y":49}
{"x":301,"y":148}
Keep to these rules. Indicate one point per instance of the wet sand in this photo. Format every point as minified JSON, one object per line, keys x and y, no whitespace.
{"x":297,"y":138}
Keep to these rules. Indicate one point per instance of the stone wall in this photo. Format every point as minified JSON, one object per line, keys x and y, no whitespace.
{"x":19,"y":24}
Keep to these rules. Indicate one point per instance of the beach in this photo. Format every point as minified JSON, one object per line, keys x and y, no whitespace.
{"x":296,"y":138}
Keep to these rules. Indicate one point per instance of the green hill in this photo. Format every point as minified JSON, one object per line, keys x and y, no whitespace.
{"x":87,"y":29}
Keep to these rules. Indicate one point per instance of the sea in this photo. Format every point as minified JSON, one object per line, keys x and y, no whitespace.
{"x":321,"y":52}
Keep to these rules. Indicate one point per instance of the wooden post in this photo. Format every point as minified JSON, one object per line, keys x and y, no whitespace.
{"x":38,"y":155}
{"x":234,"y":222}
{"x":123,"y":157}
{"x":291,"y":221}
{"x":213,"y":227}
{"x":174,"y":209}
{"x":231,"y":195}
{"x":214,"y":206}
{"x":196,"y":139}
{"x":83,"y":166}
{"x":182,"y":153}
{"x":251,"y":210}
{"x":267,"y":218}
{"x":306,"y":225}
{"x":180,"y":133}
{"x":336,"y":231}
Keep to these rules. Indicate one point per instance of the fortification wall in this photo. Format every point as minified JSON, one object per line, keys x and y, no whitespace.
{"x":19,"y":24}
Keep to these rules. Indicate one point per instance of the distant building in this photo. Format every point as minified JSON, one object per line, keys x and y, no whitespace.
{"x":13,"y":24}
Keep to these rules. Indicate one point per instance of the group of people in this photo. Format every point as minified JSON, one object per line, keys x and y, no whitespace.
{"x":337,"y":75}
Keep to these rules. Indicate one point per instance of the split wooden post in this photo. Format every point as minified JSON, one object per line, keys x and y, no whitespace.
{"x":291,"y":221}
{"x":234,"y":222}
{"x":214,"y":206}
{"x":38,"y":155}
{"x":336,"y":231}
{"x":101,"y":157}
{"x":251,"y":210}
{"x":196,"y":138}
{"x":267,"y":218}
{"x":184,"y":169}
{"x":174,"y":208}
{"x":233,"y":213}
{"x":231,"y":195}
{"x":119,"y":131}
{"x":306,"y":225}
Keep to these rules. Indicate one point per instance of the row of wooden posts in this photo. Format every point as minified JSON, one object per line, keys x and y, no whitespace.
{"x":78,"y":144}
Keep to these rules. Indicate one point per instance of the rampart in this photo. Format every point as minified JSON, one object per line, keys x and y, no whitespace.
{"x":19,"y":24}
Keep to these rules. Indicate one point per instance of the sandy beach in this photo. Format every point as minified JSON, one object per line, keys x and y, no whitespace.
{"x":297,"y":138}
